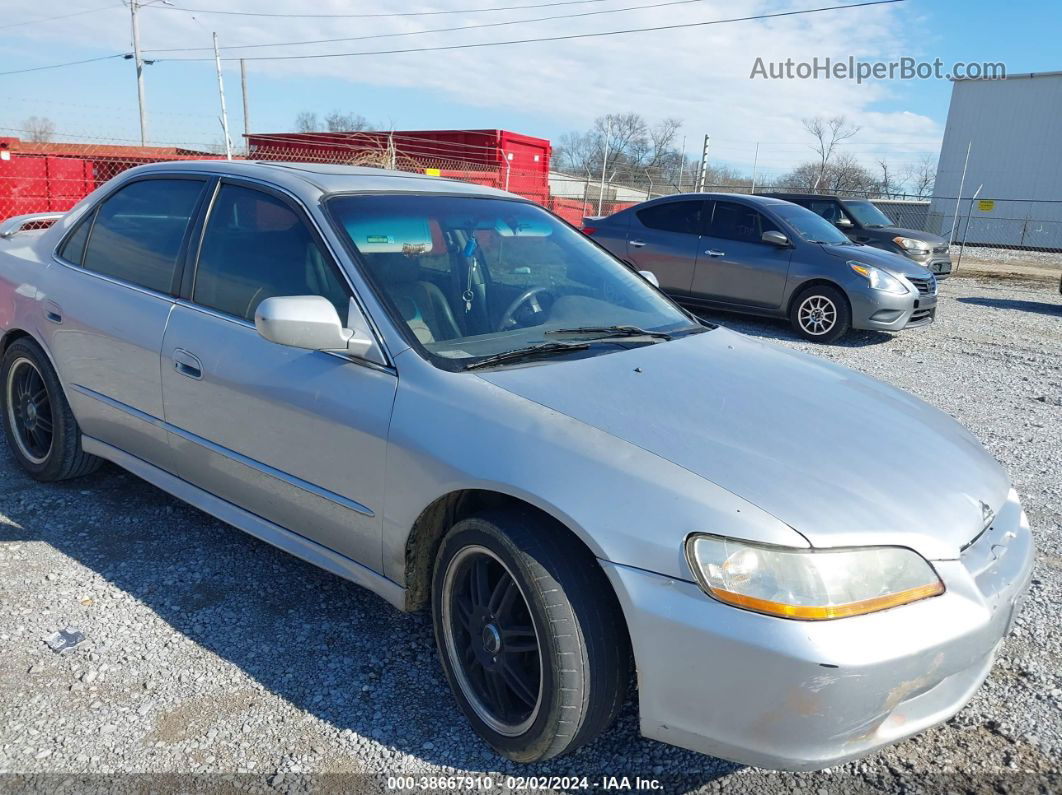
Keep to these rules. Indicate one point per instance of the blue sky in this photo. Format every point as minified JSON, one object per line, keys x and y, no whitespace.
{"x":699,"y":75}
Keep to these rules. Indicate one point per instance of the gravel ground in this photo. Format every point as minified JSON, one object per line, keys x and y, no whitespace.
{"x":209,"y":652}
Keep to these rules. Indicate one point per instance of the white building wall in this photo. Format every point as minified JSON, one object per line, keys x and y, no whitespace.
{"x":1014,"y":129}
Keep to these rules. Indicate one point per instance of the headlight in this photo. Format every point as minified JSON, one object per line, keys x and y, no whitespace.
{"x":879,"y":279}
{"x":810,"y":584}
{"x":912,"y":245}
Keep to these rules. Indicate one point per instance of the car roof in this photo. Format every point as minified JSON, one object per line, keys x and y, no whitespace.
{"x":754,"y":198}
{"x":810,"y":196}
{"x":324,"y":178}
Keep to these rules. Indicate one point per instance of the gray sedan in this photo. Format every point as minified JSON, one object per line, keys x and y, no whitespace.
{"x":445,"y":394}
{"x":765,"y":256}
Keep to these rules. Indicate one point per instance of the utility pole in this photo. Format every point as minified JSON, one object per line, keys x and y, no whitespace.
{"x":221,"y":93}
{"x":604,"y":164}
{"x":755,"y":163}
{"x":682,"y":163}
{"x":962,"y":184}
{"x":134,"y":6}
{"x":704,"y":165}
{"x":246,"y":114}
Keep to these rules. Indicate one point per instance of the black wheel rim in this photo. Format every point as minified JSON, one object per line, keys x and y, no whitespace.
{"x":29,"y":410}
{"x":491,"y":641}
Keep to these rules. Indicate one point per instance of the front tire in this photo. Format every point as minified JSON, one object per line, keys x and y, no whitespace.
{"x":530,"y":635}
{"x":39,"y":427}
{"x":820,"y":313}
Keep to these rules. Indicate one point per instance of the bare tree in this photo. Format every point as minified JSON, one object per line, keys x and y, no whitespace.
{"x":636,"y":151}
{"x":346,"y":122}
{"x":307,"y":121}
{"x":921,"y":177}
{"x":844,"y":175}
{"x":39,"y":129}
{"x":888,"y":189}
{"x":828,"y":134}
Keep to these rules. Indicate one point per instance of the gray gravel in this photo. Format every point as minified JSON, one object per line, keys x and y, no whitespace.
{"x":209,"y":652}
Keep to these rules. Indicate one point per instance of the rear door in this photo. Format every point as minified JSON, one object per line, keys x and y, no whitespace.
{"x":108,"y":313}
{"x":735,"y":265}
{"x":664,"y":238}
{"x":297,"y":437}
{"x":610,"y":231}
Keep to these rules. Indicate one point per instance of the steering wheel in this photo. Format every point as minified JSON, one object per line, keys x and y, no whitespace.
{"x":529,"y":297}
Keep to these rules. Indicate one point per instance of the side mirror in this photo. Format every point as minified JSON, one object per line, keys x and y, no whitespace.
{"x":650,"y":277}
{"x":312,"y":323}
{"x":774,"y":238}
{"x":843,"y":223}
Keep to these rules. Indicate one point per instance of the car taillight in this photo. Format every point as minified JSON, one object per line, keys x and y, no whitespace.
{"x":589,"y":230}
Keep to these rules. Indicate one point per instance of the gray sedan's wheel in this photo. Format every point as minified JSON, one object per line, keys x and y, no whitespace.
{"x":40,"y":429}
{"x":820,"y":314}
{"x":530,"y":635}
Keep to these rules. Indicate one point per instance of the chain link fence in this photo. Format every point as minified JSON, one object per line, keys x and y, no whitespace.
{"x":53,"y":176}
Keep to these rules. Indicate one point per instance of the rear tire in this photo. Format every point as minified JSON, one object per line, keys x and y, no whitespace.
{"x":530,"y":635}
{"x":41,"y":432}
{"x":820,"y":313}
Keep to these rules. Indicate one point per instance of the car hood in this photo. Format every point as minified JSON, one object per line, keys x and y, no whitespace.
{"x":897,"y":264}
{"x":840,"y":457}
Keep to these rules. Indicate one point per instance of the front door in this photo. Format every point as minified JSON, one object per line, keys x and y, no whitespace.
{"x":297,"y":437}
{"x":735,"y":265}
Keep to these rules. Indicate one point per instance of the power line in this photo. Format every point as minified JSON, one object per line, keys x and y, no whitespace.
{"x":376,"y":16}
{"x":567,"y":37}
{"x":68,"y":63}
{"x":435,"y":30}
{"x":40,"y":20}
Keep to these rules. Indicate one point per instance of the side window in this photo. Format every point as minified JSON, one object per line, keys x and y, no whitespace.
{"x":139,"y":230}
{"x":684,"y":217}
{"x":74,"y":247}
{"x":830,"y":210}
{"x":256,"y":247}
{"x":735,"y":221}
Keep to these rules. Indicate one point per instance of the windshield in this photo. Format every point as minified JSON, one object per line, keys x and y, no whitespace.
{"x":477,"y":277}
{"x":867,"y":214}
{"x":810,"y":226}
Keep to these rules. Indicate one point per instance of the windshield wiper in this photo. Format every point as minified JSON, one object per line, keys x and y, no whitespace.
{"x":530,"y":352}
{"x":604,"y":332}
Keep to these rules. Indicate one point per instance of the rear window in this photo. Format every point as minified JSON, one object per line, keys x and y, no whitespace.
{"x":686,"y":217}
{"x":139,"y":231}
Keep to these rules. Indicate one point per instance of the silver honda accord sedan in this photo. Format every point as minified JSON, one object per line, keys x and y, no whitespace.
{"x":444,"y":393}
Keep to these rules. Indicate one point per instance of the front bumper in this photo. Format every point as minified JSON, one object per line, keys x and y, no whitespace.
{"x":803,"y":695}
{"x":938,"y":262}
{"x":880,"y":311}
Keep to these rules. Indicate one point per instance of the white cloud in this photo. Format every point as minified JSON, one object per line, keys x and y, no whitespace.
{"x":697,"y":74}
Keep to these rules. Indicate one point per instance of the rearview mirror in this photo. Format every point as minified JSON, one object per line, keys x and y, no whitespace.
{"x":774,"y":238}
{"x":650,"y":277}
{"x":311,"y":322}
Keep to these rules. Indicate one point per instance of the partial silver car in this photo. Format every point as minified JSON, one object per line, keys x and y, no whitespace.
{"x":445,"y":394}
{"x":764,"y":256}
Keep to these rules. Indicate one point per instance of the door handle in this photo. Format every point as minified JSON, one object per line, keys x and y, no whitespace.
{"x":187,"y":364}
{"x":637,"y":243}
{"x":713,"y":253}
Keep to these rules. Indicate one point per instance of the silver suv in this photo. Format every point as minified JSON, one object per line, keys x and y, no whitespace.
{"x":765,"y":256}
{"x":447,"y":395}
